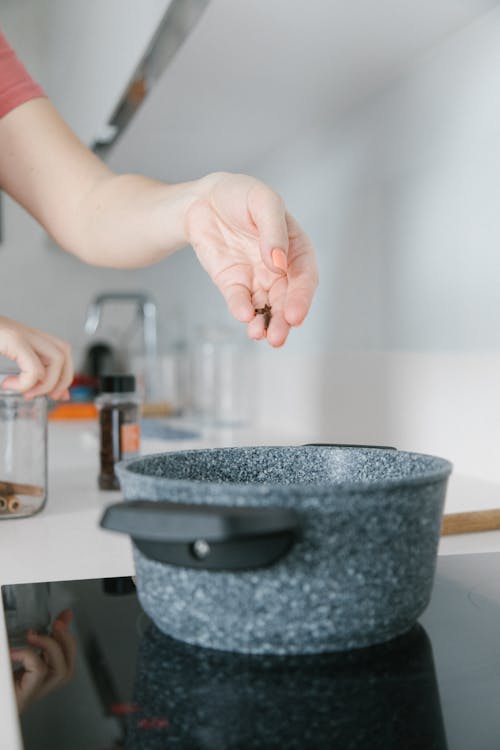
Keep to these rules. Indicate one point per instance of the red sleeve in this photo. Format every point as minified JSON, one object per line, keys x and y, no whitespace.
{"x":16,"y":85}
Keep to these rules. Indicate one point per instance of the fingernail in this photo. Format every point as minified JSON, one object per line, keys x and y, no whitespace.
{"x":279,"y":259}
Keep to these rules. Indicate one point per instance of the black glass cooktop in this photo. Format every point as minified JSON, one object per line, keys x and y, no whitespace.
{"x":436,"y":688}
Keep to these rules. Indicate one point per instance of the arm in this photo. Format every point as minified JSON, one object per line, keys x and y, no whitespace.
{"x":252,"y":249}
{"x":103,"y":218}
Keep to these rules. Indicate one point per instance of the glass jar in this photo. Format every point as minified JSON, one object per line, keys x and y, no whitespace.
{"x":221,"y":373}
{"x":23,"y":454}
{"x":119,"y":428}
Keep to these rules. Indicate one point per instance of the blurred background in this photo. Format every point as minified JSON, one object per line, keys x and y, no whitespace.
{"x":379,"y":123}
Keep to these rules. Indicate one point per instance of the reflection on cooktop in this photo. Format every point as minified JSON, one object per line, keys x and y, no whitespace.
{"x":101,"y":676}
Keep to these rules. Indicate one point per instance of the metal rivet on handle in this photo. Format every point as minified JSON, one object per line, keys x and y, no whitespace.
{"x":200,"y":549}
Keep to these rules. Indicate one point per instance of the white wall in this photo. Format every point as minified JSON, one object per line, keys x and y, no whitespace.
{"x":401,"y":200}
{"x":94,"y":49}
{"x":398,"y":194}
{"x":377,"y":188}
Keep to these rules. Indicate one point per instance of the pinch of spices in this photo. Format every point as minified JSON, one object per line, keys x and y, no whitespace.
{"x":266,"y":312}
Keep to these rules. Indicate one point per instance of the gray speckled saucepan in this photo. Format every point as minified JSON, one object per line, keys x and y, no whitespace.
{"x":283,"y":550}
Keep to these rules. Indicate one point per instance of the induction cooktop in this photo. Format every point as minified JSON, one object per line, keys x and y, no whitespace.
{"x":435,"y":688}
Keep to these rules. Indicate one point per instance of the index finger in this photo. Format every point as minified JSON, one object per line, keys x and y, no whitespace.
{"x":268,"y":213}
{"x":67,"y":642}
{"x":32,"y":369}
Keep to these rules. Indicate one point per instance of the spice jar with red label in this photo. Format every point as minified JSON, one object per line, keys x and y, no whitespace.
{"x":118,"y":406}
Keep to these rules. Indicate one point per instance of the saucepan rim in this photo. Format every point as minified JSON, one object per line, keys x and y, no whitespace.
{"x":440,"y":471}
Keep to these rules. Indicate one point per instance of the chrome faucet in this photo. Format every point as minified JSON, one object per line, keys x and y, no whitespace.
{"x":146,"y":308}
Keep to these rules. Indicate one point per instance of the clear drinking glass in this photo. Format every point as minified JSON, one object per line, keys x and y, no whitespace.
{"x":221,"y":378}
{"x":23,"y":454}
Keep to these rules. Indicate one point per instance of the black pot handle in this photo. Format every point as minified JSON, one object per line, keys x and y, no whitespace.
{"x":347,"y":445}
{"x":209,"y":537}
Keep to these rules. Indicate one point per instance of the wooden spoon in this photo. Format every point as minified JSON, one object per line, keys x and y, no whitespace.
{"x":470,"y":523}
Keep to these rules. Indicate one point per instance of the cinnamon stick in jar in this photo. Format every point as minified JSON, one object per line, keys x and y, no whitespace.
{"x":17,"y":488}
{"x":9,"y":504}
{"x":13,"y":503}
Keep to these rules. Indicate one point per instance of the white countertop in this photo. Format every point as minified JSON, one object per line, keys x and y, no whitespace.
{"x":64,"y":541}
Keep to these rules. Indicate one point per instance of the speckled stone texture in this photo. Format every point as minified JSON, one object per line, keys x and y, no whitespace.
{"x":361,"y":574}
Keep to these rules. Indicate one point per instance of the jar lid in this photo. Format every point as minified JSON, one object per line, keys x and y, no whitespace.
{"x":117,"y":383}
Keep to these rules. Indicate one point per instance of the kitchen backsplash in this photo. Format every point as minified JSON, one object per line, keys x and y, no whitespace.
{"x":444,"y":403}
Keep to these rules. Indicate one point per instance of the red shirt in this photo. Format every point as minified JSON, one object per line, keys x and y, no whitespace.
{"x":16,"y":85}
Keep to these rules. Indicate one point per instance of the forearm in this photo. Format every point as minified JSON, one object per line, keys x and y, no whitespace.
{"x":103,"y":218}
{"x":131,"y":221}
{"x":250,"y":246}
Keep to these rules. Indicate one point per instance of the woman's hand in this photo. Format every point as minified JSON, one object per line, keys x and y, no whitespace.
{"x":47,"y":665}
{"x":44,"y":361}
{"x":254,"y":252}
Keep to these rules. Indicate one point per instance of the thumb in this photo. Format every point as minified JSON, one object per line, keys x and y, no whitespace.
{"x":268,"y":213}
{"x":33,"y":674}
{"x":15,"y":347}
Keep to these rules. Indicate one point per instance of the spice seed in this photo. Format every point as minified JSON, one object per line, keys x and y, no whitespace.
{"x":266,"y":312}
